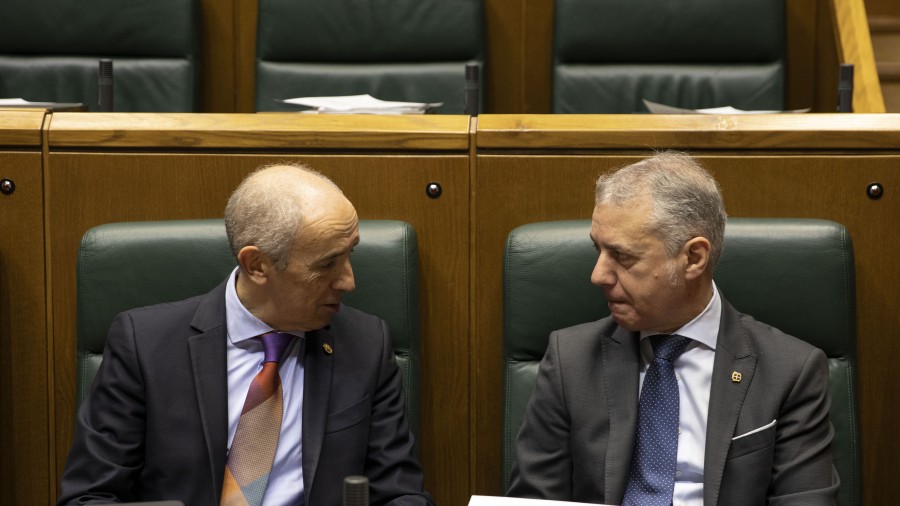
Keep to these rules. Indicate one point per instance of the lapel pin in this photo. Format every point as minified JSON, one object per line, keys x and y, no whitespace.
{"x":736,"y":377}
{"x":327,"y":348}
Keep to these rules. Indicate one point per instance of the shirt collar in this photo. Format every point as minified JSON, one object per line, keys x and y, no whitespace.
{"x":242,"y":325}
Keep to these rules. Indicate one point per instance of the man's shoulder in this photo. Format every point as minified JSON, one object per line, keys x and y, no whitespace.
{"x":767,"y":338}
{"x":166,"y":311}
{"x":591,"y":331}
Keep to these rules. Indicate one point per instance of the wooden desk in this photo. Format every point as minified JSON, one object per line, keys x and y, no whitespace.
{"x":535,"y":168}
{"x":24,"y":346}
{"x":121,"y":167}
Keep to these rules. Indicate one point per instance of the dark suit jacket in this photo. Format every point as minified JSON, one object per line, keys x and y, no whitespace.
{"x":155,"y":425}
{"x":578,"y":431}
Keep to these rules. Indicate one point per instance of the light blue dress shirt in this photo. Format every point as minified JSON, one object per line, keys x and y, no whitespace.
{"x":245,"y":357}
{"x":693,"y":369}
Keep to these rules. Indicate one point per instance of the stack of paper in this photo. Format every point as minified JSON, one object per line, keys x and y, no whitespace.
{"x":657,"y":108}
{"x":360,"y":104}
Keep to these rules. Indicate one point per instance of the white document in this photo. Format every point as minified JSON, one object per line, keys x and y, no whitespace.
{"x":360,"y":104}
{"x":657,"y":108}
{"x":13,"y":101}
{"x":484,"y":500}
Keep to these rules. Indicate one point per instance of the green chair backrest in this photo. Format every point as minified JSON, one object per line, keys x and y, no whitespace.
{"x":794,"y":274}
{"x":399,"y":50}
{"x":50,"y":52}
{"x":609,"y":55}
{"x":132,"y":264}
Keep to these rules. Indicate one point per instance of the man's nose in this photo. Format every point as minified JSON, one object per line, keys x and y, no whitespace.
{"x":602,"y":274}
{"x":345,"y":281}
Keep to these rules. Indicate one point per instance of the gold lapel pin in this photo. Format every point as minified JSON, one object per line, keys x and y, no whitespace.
{"x":736,"y":377}
{"x":327,"y":348}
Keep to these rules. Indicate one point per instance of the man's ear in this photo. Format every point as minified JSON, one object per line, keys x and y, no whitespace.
{"x":254,"y":264}
{"x":697,"y":250}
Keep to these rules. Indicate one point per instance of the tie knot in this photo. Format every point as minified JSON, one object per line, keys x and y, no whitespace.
{"x":274,"y":344}
{"x":669,"y":346}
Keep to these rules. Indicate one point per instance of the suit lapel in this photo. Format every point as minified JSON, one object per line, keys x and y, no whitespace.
{"x":621,"y":366}
{"x":733,"y":354}
{"x":317,"y":377}
{"x":209,"y":363}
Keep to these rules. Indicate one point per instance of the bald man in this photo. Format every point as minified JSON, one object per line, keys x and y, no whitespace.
{"x":161,"y":418}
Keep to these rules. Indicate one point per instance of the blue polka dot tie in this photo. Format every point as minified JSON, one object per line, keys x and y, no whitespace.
{"x":652,"y":477}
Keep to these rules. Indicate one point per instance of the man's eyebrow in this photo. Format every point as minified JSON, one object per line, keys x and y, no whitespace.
{"x":334,"y":254}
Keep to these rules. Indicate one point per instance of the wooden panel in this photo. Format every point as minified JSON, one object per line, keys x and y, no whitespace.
{"x":882,"y":7}
{"x":804,"y":183}
{"x":698,"y":131}
{"x":218,"y":46}
{"x":21,"y":127}
{"x":800,"y":25}
{"x":145,"y":186}
{"x":855,"y":46}
{"x":245,"y":20}
{"x":24,"y":389}
{"x":504,"y":86}
{"x":259,"y":131}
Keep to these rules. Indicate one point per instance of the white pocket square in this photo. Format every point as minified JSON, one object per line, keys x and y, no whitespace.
{"x":754,"y":431}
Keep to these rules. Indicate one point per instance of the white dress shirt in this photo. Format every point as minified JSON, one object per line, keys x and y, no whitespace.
{"x":245,"y":359}
{"x":693,"y":369}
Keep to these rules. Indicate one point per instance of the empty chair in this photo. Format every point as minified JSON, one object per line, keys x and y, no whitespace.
{"x":50,"y":52}
{"x":609,"y":55}
{"x":403,"y":50}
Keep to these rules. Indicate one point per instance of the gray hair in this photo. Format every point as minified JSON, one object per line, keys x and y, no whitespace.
{"x":686,"y":201}
{"x":267,"y":213}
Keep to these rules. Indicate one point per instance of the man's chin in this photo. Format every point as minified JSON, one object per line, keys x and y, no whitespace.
{"x":625,"y":322}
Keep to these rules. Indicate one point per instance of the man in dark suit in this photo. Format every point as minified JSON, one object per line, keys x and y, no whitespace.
{"x":748,"y":405}
{"x":167,"y":401}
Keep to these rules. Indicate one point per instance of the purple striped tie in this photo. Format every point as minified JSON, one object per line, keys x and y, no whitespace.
{"x":256,"y":437}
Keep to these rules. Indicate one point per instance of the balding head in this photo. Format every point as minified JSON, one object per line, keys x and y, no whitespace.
{"x":269,"y":207}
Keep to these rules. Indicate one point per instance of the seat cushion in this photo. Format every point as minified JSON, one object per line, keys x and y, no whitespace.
{"x":409,"y":82}
{"x":140,"y":85}
{"x":621,"y":89}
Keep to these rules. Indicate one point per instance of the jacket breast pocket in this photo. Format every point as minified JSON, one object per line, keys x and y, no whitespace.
{"x":753,"y":442}
{"x":349,"y":416}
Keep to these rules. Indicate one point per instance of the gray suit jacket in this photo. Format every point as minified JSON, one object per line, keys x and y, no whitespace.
{"x":579,"y":427}
{"x":155,"y":424}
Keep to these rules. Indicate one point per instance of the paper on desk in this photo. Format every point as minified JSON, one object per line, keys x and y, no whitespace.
{"x":13,"y":101}
{"x":657,"y":108}
{"x":484,"y":500}
{"x":361,"y":104}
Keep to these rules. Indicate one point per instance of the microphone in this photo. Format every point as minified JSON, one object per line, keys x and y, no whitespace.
{"x":845,"y":88}
{"x":472,"y":88}
{"x":356,"y":491}
{"x":105,"y":86}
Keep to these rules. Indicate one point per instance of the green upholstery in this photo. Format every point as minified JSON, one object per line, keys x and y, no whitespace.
{"x":128,"y":265}
{"x":794,"y":274}
{"x":608,"y":55}
{"x":50,"y":49}
{"x":405,"y":50}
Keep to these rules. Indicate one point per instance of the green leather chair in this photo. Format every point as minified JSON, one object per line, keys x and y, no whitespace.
{"x":127,"y":265}
{"x":795,"y":274}
{"x":403,"y":50}
{"x":50,"y":52}
{"x":608,"y":55}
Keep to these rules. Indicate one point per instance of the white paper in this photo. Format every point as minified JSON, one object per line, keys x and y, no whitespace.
{"x":484,"y":500}
{"x":657,"y":108}
{"x":360,"y":104}
{"x":13,"y":101}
